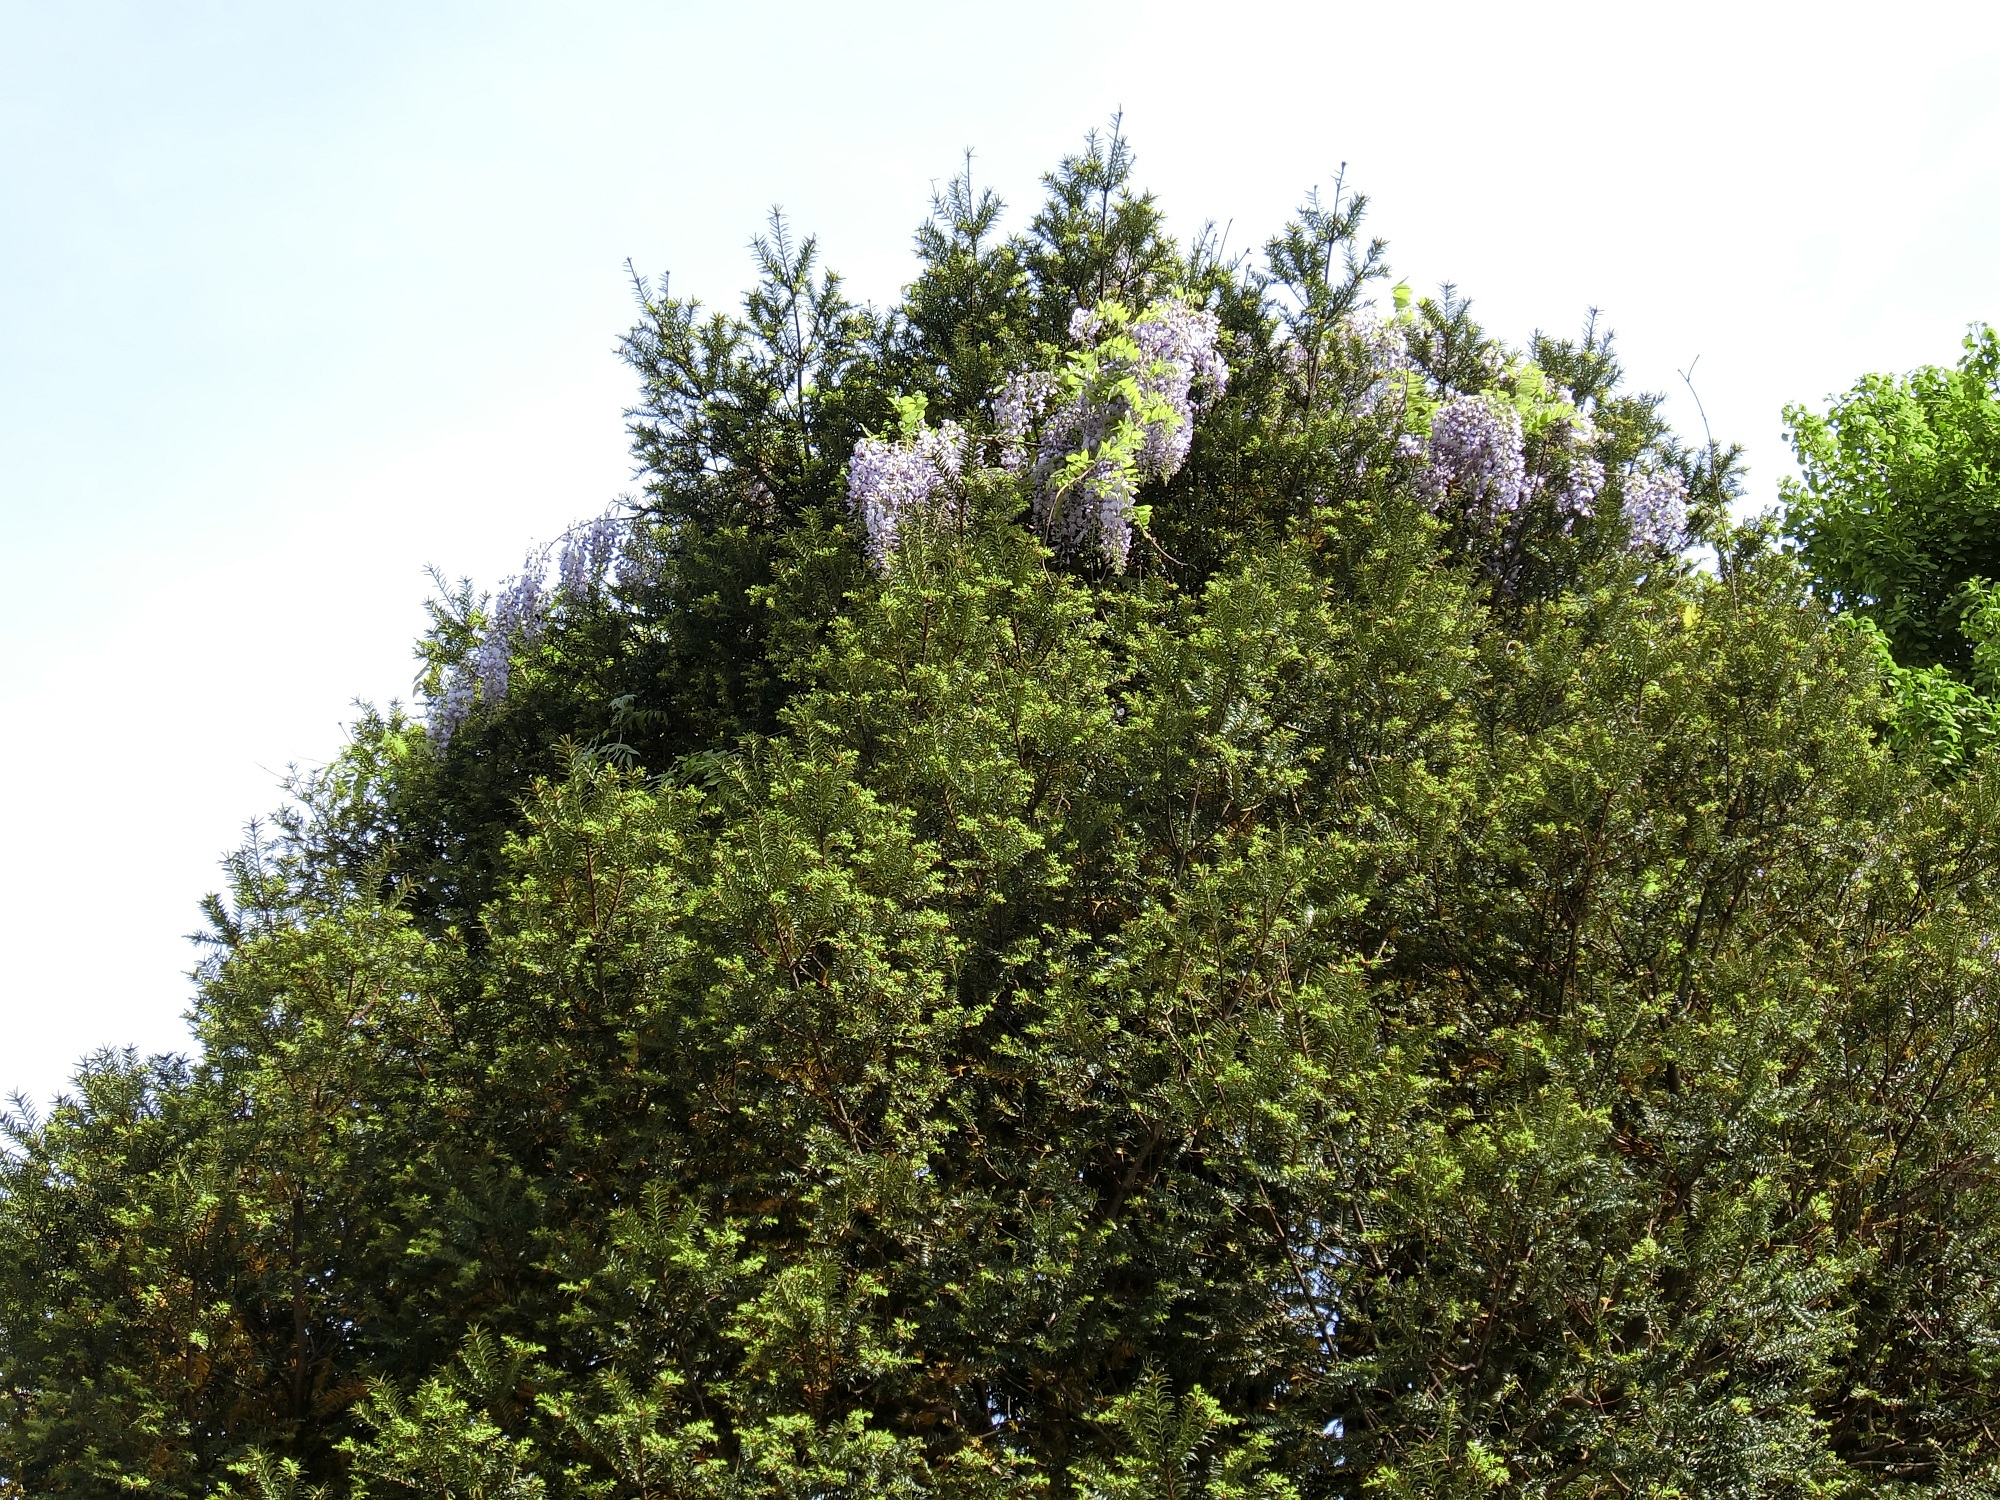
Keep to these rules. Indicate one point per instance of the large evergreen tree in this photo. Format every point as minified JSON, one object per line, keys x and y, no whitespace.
{"x":1145,"y":875}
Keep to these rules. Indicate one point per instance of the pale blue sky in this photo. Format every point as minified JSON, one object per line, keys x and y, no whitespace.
{"x":295,"y":301}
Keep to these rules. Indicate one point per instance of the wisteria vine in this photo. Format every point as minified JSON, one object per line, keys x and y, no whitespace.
{"x":519,"y":617}
{"x":1656,"y":511}
{"x":1120,"y":413}
{"x":893,"y":482}
{"x":1117,"y":412}
{"x":1475,"y":460}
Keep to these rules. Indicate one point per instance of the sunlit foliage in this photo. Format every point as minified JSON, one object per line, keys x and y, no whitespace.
{"x":1360,"y":971}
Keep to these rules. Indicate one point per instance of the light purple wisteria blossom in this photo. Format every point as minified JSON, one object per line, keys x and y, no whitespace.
{"x":1569,"y":441}
{"x":1022,"y":400}
{"x":1085,"y":324}
{"x":1476,"y":460}
{"x":1656,"y":511}
{"x":520,"y":610}
{"x":1179,"y":369}
{"x":1384,"y":351}
{"x":519,"y":616}
{"x":1180,"y":342}
{"x":1384,"y":344}
{"x":891,"y":483}
{"x":586,"y":557}
{"x":1094,"y":514}
{"x":454,"y":708}
{"x":1577,"y":496}
{"x":491,"y":665}
{"x":1364,"y":365}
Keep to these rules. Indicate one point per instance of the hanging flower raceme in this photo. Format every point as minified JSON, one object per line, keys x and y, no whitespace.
{"x":587,"y":554}
{"x":1120,"y":413}
{"x":893,"y":482}
{"x":520,"y":611}
{"x":1475,"y":463}
{"x":1359,"y":370}
{"x":1656,"y":511}
{"x":1019,"y":406}
{"x":1179,"y":345}
{"x":449,"y":712}
{"x":1379,"y":351}
{"x":1566,"y":445}
{"x":1382,"y":343}
{"x":519,"y":617}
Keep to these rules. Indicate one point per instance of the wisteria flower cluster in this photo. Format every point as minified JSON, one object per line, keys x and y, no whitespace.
{"x":1383,"y":350}
{"x":1022,"y":399}
{"x":1122,"y":413}
{"x":519,"y":617}
{"x":588,"y":552}
{"x":892,"y":482}
{"x":1089,"y":508}
{"x":1569,"y":439}
{"x":520,"y":611}
{"x":1086,"y":325}
{"x":451,"y":711}
{"x":1656,"y":510}
{"x":1475,"y":459}
{"x":1384,"y":343}
{"x":1179,"y":345}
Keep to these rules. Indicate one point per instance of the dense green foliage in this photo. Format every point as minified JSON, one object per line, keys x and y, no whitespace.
{"x":1899,"y":504}
{"x":1356,"y":1002}
{"x":1897,"y":515}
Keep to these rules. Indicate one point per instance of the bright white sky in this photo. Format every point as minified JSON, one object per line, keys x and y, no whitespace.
{"x":296,"y":300}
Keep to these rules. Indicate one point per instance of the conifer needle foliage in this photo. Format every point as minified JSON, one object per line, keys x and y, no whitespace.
{"x":1148,"y":874}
